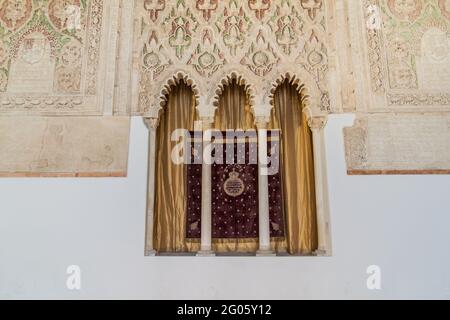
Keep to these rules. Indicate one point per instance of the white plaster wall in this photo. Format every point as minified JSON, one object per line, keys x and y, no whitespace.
{"x":400,"y":223}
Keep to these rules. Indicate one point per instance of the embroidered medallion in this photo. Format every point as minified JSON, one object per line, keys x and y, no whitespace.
{"x":234,"y":186}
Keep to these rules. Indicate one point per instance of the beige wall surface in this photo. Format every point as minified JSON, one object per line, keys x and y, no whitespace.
{"x":64,"y":146}
{"x":397,"y":144}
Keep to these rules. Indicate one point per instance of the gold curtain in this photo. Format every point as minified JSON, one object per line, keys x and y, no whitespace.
{"x":297,"y":170}
{"x":234,"y":112}
{"x":170,"y":202}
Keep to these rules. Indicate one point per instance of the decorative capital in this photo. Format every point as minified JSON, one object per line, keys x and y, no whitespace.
{"x":317,"y":122}
{"x":151,"y":123}
{"x":152,"y":111}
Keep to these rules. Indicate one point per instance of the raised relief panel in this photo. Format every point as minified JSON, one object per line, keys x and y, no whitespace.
{"x":207,"y":41}
{"x":32,"y":68}
{"x":53,"y":56}
{"x":408,"y":50}
{"x":434,"y":63}
{"x":396,"y":144}
{"x":403,"y":126}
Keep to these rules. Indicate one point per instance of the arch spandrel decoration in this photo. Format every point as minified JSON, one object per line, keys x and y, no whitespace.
{"x":153,"y":104}
{"x":311,"y":94}
{"x":211,"y":41}
{"x":225,"y":78}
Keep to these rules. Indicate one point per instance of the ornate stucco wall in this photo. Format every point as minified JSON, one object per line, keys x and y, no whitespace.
{"x":208,"y":42}
{"x":403,"y":71}
{"x":98,"y":62}
{"x":57,"y":88}
{"x":55,"y":56}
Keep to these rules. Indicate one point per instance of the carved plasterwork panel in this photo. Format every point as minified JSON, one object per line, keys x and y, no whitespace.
{"x":395,"y":144}
{"x":208,"y":41}
{"x":408,"y":46}
{"x":356,"y":144}
{"x":64,"y":146}
{"x":51,"y":56}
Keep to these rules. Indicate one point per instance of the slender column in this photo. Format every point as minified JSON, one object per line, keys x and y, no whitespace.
{"x":206,"y":226}
{"x":152,"y":125}
{"x":263,"y":191}
{"x":317,"y":125}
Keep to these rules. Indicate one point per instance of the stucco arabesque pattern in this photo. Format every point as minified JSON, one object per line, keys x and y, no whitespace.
{"x":208,"y":43}
{"x":65,"y":34}
{"x":396,"y":47}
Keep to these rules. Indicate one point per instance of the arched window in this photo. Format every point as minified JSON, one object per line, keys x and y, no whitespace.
{"x":297,"y":168}
{"x":170,"y":186}
{"x":289,"y":226}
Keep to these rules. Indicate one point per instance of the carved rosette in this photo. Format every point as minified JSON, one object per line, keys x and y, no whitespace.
{"x":207,"y":59}
{"x":261,"y":56}
{"x":314,"y":57}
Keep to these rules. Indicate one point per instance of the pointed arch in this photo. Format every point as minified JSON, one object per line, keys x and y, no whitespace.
{"x":174,"y":80}
{"x":308,"y":89}
{"x":226,"y":78}
{"x":156,"y":100}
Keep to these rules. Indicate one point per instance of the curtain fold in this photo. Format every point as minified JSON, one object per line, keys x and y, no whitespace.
{"x":297,"y":163}
{"x":171,"y":190}
{"x":234,"y":112}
